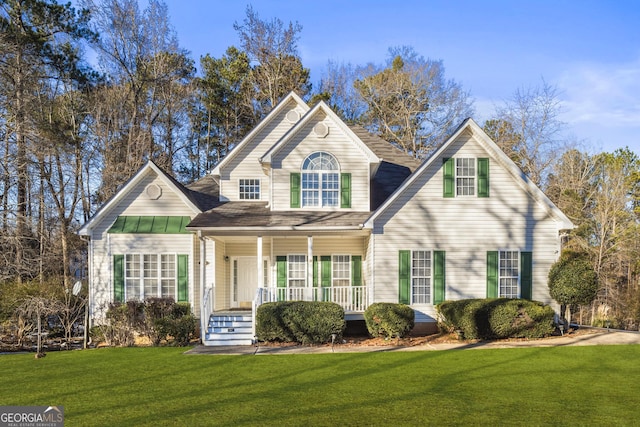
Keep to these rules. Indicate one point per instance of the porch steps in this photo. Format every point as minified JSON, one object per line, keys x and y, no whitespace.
{"x":229,"y":329}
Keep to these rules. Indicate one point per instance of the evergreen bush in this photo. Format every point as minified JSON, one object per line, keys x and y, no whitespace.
{"x":306,"y":322}
{"x":496,"y":318}
{"x":389,"y":320}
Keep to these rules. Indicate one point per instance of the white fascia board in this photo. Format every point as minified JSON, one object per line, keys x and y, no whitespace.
{"x":264,"y":122}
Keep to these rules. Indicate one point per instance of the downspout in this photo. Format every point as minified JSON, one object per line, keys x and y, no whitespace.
{"x":88,"y":308}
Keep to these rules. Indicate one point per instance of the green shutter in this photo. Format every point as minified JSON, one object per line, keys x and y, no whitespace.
{"x":483,"y":177}
{"x":281,"y":268}
{"x":526,"y":279}
{"x":325,"y":271}
{"x":492,"y":274}
{"x":295,"y":189}
{"x":118,"y":278}
{"x":315,"y":271}
{"x":438,"y":277}
{"x":404,"y":276}
{"x":449,"y":177}
{"x":345,"y":190}
{"x":183,"y":278}
{"x":356,"y":270}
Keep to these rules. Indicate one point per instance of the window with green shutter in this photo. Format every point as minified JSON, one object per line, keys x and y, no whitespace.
{"x":509,"y":274}
{"x":461,"y":176}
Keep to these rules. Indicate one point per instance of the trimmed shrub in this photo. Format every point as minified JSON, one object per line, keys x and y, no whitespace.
{"x":305,"y":322}
{"x":497,"y":318}
{"x":389,"y":320}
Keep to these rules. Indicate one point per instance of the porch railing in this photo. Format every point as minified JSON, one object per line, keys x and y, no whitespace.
{"x":350,"y":298}
{"x":206,"y":307}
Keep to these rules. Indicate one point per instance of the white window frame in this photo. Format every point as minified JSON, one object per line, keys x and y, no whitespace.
{"x":297,"y":260}
{"x":339,"y":279}
{"x":320,"y":186}
{"x":506,"y":276}
{"x":137,"y":262}
{"x":465,"y":182}
{"x":424,"y":273}
{"x":249,"y":189}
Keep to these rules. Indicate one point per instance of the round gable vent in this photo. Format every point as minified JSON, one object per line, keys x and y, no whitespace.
{"x":293,"y":116}
{"x":153,"y":191}
{"x":321,"y":130}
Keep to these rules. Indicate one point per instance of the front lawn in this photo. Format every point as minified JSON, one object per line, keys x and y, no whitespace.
{"x":161,"y":386}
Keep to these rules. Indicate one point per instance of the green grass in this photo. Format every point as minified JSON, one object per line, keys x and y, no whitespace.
{"x":596,"y":385}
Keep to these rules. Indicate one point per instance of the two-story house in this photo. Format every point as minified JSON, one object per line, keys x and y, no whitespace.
{"x":306,"y":207}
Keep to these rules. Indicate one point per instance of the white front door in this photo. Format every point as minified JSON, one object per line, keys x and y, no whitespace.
{"x":244,"y":280}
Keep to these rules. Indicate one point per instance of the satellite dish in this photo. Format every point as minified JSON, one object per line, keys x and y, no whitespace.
{"x":77,"y":287}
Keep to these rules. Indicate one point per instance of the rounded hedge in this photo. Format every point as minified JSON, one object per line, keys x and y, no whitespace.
{"x":389,"y":320}
{"x":496,"y":318}
{"x":299,"y":321}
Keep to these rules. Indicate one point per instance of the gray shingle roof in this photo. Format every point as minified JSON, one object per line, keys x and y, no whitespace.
{"x":395,"y":167}
{"x":258,"y":215}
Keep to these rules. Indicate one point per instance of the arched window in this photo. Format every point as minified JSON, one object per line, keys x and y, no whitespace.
{"x":320,"y":180}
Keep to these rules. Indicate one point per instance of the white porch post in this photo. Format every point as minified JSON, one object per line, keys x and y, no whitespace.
{"x":260,"y":269}
{"x":309,"y":287}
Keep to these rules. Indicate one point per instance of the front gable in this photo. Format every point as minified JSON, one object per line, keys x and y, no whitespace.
{"x":241,"y":167}
{"x":320,"y":131}
{"x":150,"y":192}
{"x":490,"y":174}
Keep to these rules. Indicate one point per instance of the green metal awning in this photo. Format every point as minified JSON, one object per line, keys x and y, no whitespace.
{"x":150,"y":225}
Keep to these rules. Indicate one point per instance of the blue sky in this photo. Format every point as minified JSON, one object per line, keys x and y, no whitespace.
{"x":589,"y":50}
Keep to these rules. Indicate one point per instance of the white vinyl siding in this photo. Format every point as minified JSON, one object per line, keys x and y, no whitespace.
{"x":245,"y":163}
{"x":466,"y":228}
{"x":103,"y":246}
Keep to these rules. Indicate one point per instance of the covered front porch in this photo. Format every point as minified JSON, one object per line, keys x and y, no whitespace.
{"x":242,"y":272}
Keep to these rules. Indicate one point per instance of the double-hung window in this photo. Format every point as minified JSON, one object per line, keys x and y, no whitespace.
{"x":508,"y":274}
{"x":341,"y":270}
{"x":297,"y":271}
{"x":320,"y":181}
{"x":465,"y":176}
{"x":421,"y":277}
